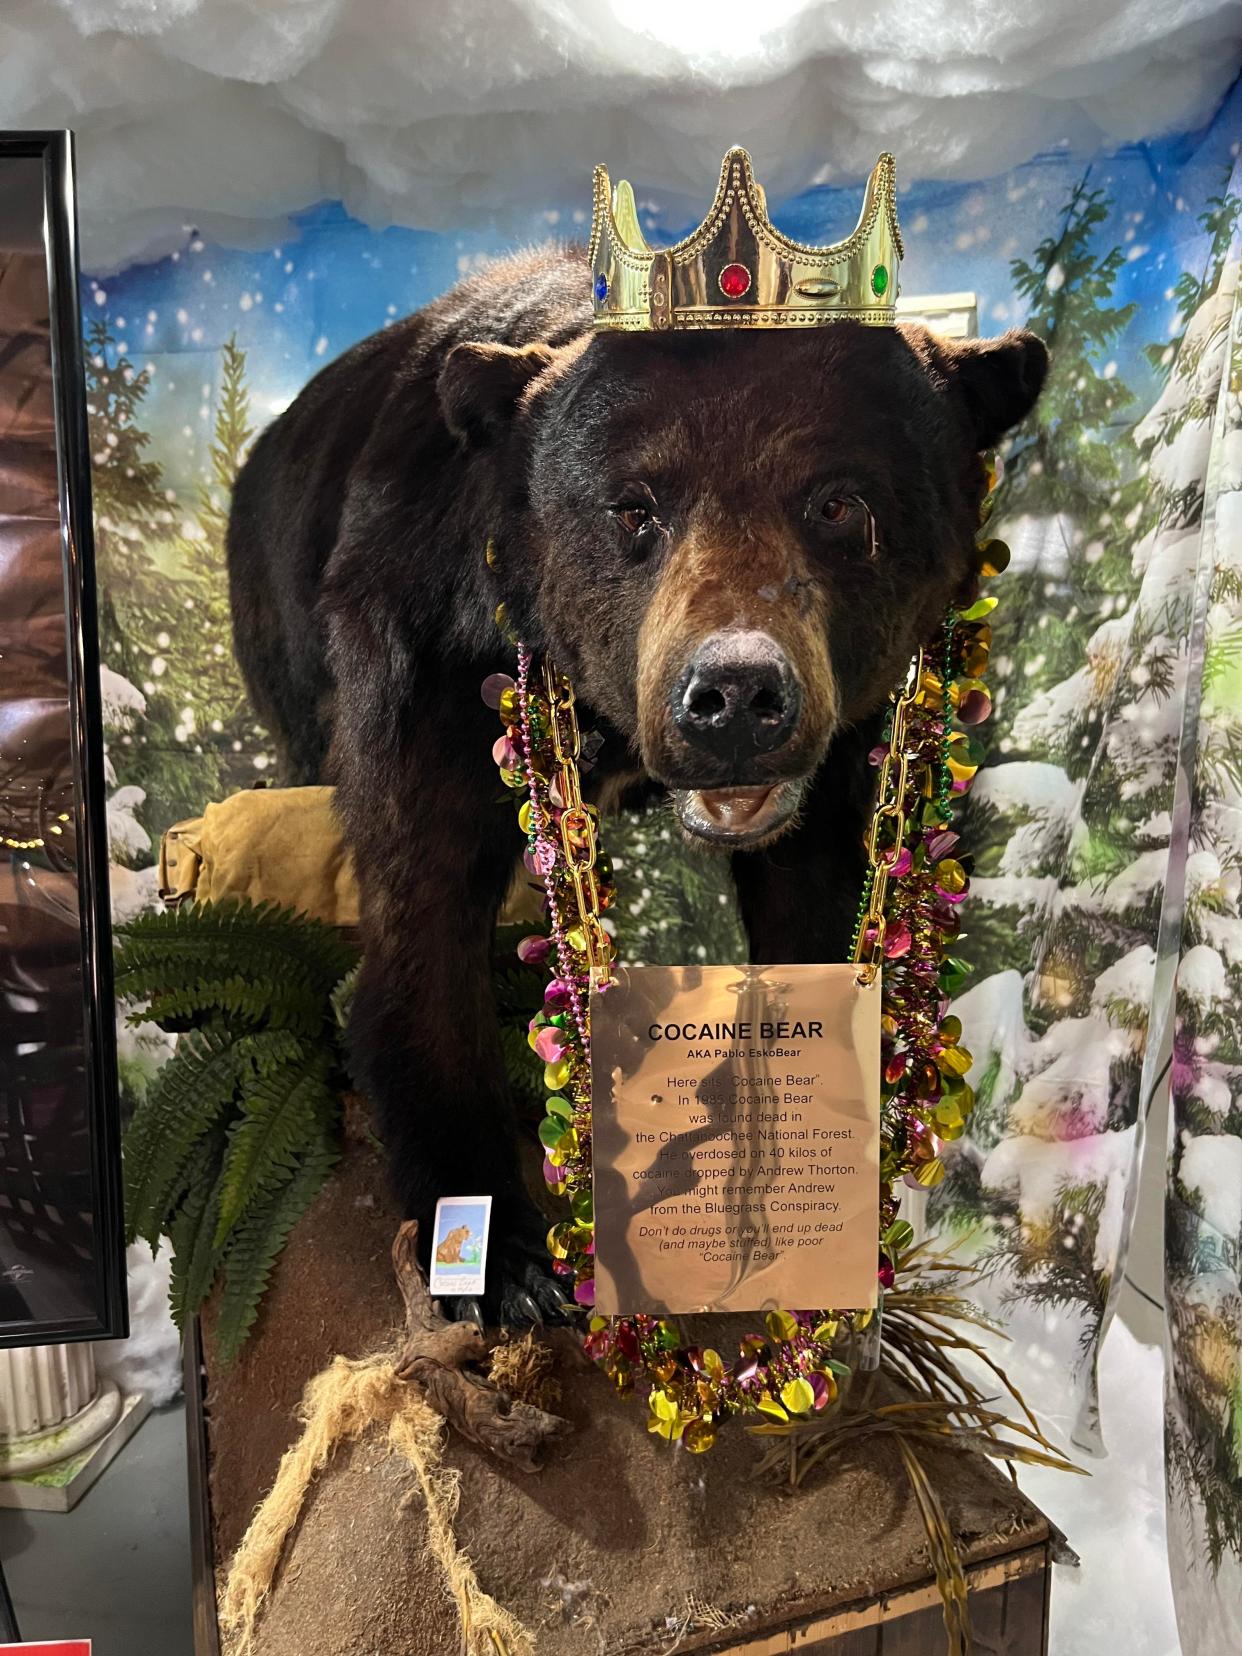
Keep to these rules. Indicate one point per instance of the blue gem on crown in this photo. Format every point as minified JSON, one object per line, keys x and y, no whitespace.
{"x":601,"y":288}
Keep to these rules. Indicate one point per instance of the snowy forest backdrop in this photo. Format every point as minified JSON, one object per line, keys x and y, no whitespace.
{"x":1114,"y":774}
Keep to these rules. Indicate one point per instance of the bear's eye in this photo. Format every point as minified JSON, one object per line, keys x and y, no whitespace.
{"x":634,"y":515}
{"x":632,"y":518}
{"x":834,"y":508}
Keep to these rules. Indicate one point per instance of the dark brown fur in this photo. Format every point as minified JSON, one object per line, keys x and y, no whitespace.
{"x":364,"y":619}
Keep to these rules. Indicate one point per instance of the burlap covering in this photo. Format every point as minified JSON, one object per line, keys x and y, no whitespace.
{"x":283,"y":846}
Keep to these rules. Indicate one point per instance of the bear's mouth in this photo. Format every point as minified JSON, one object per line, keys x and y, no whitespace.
{"x":736,"y":817}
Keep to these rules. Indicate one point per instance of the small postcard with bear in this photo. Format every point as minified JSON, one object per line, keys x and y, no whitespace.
{"x":459,"y":1244}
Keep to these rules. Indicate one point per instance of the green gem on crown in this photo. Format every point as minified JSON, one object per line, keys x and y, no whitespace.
{"x":879,"y":281}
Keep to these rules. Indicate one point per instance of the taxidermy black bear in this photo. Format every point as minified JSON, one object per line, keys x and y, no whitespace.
{"x":731,"y":538}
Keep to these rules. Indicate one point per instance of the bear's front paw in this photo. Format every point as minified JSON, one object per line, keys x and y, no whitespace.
{"x":520,"y":1286}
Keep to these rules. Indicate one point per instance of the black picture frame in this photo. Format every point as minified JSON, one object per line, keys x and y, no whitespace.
{"x":105,"y":1293}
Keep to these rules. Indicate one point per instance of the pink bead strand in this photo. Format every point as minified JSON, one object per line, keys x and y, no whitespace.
{"x":546,"y":856}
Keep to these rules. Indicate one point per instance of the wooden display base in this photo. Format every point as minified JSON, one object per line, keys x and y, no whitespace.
{"x":1009,"y":1613}
{"x":619,"y":1545}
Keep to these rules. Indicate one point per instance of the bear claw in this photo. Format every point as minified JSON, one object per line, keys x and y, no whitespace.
{"x":524,"y":1295}
{"x":465,"y":1309}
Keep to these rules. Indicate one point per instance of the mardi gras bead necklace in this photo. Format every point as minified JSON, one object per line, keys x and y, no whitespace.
{"x":904,"y":933}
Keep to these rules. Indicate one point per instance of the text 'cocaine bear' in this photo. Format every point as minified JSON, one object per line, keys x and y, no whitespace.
{"x":682,"y":518}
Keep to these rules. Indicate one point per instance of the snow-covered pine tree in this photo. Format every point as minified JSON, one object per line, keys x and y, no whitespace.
{"x":142,"y":599}
{"x":1060,"y":460}
{"x":1070,"y":821}
{"x":1064,"y":504}
{"x":1218,"y":221}
{"x":219,"y":714}
{"x":132,"y":876}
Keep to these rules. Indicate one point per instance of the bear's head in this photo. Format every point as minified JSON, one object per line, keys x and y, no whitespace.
{"x":734,"y":542}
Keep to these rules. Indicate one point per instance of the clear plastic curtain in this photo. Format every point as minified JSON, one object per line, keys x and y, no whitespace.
{"x":1107,"y":846}
{"x":1201,"y":426}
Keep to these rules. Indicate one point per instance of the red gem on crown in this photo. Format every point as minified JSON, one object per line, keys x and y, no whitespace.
{"x":734,"y":281}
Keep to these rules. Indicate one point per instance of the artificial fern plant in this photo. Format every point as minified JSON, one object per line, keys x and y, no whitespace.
{"x":241,"y":1126}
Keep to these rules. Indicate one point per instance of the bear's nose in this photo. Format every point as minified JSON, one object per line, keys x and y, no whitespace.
{"x":738,"y":697}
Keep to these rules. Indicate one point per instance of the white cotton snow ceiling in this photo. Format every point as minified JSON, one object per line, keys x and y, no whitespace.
{"x":234,"y":113}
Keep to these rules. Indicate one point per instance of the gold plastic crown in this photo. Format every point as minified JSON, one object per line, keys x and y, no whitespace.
{"x":737,"y":270}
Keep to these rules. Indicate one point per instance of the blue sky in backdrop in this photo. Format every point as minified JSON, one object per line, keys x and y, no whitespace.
{"x":334,"y":280}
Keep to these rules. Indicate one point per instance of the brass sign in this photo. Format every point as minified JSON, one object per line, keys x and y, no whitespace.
{"x":735,"y":1139}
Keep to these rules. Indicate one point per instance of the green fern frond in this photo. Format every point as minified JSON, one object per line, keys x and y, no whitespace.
{"x":139,"y":979}
{"x":269,"y":1050}
{"x":343,"y":996}
{"x":281,"y":1114}
{"x":292,"y":1004}
{"x":239,"y":1128}
{"x":255,"y":1245}
{"x":187,"y":1097}
{"x":272,"y":941}
{"x":195,"y":1256}
{"x":173,"y":988}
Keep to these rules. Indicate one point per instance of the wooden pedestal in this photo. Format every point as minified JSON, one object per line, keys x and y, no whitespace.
{"x":619,"y":1546}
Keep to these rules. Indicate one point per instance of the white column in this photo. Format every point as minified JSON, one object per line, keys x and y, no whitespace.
{"x":51,"y":1405}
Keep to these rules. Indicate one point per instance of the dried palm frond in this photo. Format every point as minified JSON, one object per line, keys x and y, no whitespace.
{"x":919,"y":1397}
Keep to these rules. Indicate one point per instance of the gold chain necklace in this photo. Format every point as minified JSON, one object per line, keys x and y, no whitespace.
{"x":905,"y":925}
{"x":580,"y":842}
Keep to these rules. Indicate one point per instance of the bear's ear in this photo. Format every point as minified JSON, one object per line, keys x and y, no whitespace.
{"x":999,"y":379}
{"x":480,"y":385}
